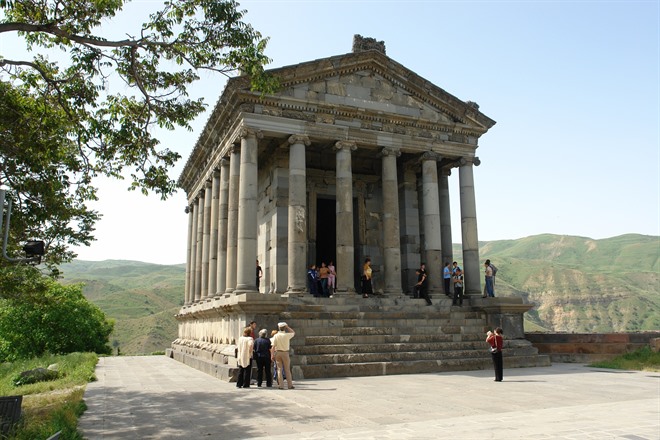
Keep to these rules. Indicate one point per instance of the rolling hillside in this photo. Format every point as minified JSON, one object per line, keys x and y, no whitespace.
{"x":577,"y":284}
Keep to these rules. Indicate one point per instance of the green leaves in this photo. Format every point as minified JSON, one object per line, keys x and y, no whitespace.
{"x":63,"y":128}
{"x":42,"y":316}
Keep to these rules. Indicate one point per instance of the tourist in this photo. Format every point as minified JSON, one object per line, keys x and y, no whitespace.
{"x":489,"y":290}
{"x":496,"y":341}
{"x":494,"y":269}
{"x":260,"y":273}
{"x":243,"y":355}
{"x":367,"y":287}
{"x":446,"y":278}
{"x":454,"y":267}
{"x":422,"y":285}
{"x":312,"y":280}
{"x":281,"y":348}
{"x":262,"y":355}
{"x":253,"y":329}
{"x":458,"y":288}
{"x":272,"y":355}
{"x":332,"y":278}
{"x":323,"y":277}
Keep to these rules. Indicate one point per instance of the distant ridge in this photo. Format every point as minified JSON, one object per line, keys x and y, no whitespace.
{"x":577,"y":284}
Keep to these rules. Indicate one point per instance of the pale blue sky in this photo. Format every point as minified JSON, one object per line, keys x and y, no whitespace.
{"x":573,"y":86}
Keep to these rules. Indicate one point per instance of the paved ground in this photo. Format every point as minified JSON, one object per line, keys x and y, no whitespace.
{"x":154,"y":397}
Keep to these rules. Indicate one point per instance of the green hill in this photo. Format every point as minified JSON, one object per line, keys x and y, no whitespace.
{"x":142,"y":298}
{"x":576,"y":284}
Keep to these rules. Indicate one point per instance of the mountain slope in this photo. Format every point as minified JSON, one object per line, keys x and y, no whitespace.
{"x":577,"y":284}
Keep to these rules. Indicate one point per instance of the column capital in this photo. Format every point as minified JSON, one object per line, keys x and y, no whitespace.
{"x":216,"y":172}
{"x":248,"y":132}
{"x":388,"y":151}
{"x":469,"y":161}
{"x":445,"y":172}
{"x":431,"y":155}
{"x":234,"y":149}
{"x":189,"y":208}
{"x":345,"y":145}
{"x":299,"y":139}
{"x":200,"y":194}
{"x":208,"y":184}
{"x":224,"y":162}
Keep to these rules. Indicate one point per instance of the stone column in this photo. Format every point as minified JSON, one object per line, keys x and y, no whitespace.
{"x":191,"y":220}
{"x":193,"y":251}
{"x":345,"y":251}
{"x":247,"y":213}
{"x":391,"y":232}
{"x":431,"y":219}
{"x":213,"y":244}
{"x":470,"y":237}
{"x":222,"y":227}
{"x":200,"y":243}
{"x":445,"y":216}
{"x":206,"y":239}
{"x":232,"y":216}
{"x":297,"y":216}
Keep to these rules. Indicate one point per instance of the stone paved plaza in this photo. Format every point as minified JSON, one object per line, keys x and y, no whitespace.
{"x":155,"y":397}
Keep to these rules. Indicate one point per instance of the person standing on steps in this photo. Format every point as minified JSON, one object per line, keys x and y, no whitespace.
{"x":260,"y":273}
{"x":496,"y":341}
{"x":332,"y":276}
{"x":458,"y":288}
{"x":323,"y":277}
{"x":367,"y":287}
{"x":489,"y":290}
{"x":446,"y":278}
{"x":281,"y":347}
{"x":422,"y":286}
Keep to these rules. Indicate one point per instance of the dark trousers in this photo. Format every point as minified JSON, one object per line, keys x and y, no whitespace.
{"x":244,"y":374}
{"x":447,"y":291}
{"x":458,"y":296}
{"x":264,"y":365}
{"x":498,"y":364}
{"x":424,"y":293}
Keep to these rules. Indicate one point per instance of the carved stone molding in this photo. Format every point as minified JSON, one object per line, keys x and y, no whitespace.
{"x":430,"y":155}
{"x":469,"y":160}
{"x":247,"y":132}
{"x":234,"y":149}
{"x":390,"y":152}
{"x":345,"y":145}
{"x":299,"y":139}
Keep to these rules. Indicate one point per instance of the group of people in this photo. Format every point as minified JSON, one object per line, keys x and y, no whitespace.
{"x":322,"y":281}
{"x":271,"y":355}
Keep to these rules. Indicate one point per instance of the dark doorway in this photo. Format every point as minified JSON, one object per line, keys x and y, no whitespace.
{"x":326,"y":231}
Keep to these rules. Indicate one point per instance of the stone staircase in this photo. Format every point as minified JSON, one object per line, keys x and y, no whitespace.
{"x":352,"y":336}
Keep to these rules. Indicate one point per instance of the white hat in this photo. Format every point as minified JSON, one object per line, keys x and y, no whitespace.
{"x":281,"y":324}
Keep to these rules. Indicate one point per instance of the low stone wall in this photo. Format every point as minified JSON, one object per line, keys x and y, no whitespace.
{"x":589,"y":347}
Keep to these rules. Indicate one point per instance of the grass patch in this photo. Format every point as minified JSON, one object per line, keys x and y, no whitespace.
{"x":50,"y":406}
{"x":643,"y":359}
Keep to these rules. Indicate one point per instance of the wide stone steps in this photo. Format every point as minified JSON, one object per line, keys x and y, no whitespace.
{"x":410,"y":367}
{"x":386,"y":348}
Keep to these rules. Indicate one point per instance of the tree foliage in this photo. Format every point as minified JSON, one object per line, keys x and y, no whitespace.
{"x":61,"y":123}
{"x":43,"y":316}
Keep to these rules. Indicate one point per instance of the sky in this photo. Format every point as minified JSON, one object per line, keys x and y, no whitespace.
{"x":573,"y":85}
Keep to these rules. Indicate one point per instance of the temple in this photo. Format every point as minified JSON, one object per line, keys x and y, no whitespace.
{"x":350,"y":159}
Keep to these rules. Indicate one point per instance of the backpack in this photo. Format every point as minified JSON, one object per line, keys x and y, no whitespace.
{"x":492,"y":266}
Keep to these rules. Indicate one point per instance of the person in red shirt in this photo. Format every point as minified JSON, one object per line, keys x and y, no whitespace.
{"x":496,"y":341}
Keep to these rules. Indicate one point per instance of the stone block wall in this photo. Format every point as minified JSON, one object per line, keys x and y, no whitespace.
{"x":589,"y":347}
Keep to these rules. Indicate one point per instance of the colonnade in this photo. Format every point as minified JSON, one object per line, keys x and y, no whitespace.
{"x":222,"y":221}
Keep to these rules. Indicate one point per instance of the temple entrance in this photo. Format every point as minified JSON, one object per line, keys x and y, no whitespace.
{"x":326,"y":231}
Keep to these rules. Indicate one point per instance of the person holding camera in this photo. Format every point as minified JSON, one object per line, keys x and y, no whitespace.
{"x":496,"y":341}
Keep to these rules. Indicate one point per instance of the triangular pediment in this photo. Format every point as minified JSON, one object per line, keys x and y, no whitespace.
{"x":373,"y":83}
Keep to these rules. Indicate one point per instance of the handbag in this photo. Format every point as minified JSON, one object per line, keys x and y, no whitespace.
{"x":493,"y":350}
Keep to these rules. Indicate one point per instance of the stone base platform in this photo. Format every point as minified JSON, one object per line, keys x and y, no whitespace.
{"x":352,"y":336}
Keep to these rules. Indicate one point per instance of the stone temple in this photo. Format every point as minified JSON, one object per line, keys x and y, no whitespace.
{"x":350,"y":159}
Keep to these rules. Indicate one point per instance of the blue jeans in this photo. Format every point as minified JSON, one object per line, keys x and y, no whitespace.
{"x":489,"y":287}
